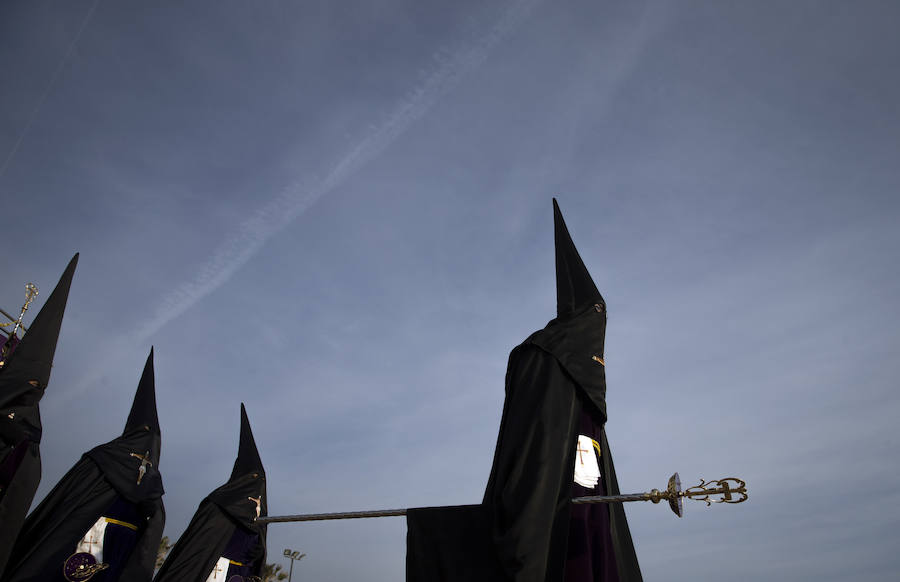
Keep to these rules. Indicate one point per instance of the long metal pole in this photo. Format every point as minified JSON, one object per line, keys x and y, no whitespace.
{"x":401,"y":512}
{"x":673,"y":494}
{"x":328,"y":516}
{"x":291,"y":574}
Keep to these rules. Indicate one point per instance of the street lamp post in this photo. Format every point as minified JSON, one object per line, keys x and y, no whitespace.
{"x":293,"y":556}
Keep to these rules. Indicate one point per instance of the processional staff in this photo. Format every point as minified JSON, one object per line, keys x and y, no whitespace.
{"x":727,"y":490}
{"x":31,"y":292}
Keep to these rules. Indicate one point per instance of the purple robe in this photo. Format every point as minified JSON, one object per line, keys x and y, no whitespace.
{"x":242,"y":551}
{"x":118,"y":540}
{"x":591,"y":556}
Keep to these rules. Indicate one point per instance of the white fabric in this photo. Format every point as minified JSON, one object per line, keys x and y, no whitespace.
{"x":219,"y":571}
{"x":587,"y":470}
{"x":92,"y":541}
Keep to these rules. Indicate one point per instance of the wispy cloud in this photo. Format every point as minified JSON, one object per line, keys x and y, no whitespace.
{"x":298,"y":197}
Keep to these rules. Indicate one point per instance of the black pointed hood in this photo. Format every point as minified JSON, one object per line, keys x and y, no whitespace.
{"x":142,"y":437}
{"x":574,"y":286}
{"x":247,"y":460}
{"x":248,"y":479}
{"x":576,"y":337}
{"x":143,"y":415}
{"x":27,"y":371}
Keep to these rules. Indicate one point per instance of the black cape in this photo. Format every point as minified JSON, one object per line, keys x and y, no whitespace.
{"x":520,"y":531}
{"x":222,"y":513}
{"x":23,"y":379}
{"x":105,"y":475}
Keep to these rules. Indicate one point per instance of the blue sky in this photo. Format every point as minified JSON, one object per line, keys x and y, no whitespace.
{"x":339,"y":213}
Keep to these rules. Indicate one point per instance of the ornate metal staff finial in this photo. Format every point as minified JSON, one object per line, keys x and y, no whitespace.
{"x":31,"y":292}
{"x":731,"y":489}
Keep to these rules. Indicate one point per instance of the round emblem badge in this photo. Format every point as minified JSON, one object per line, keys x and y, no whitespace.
{"x":81,"y":566}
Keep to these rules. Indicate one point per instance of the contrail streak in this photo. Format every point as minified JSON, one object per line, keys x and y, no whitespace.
{"x":297,"y":198}
{"x":43,"y":97}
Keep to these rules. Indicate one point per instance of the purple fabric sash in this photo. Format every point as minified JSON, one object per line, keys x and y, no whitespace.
{"x":590,"y":549}
{"x":241,"y":548}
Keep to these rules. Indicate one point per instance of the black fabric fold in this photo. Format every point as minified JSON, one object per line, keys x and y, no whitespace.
{"x":24,"y":376}
{"x":451,"y":544}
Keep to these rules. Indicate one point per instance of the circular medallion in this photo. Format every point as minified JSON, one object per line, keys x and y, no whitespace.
{"x":81,"y":566}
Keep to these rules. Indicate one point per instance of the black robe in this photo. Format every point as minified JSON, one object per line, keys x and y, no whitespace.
{"x":520,"y":533}
{"x":105,"y":475}
{"x":20,"y":472}
{"x":54,"y":528}
{"x":24,"y":376}
{"x":211,"y":529}
{"x":225,"y":523}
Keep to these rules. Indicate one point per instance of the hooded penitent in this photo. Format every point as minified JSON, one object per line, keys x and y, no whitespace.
{"x":551,"y":447}
{"x":106,"y":514}
{"x":223,"y":542}
{"x":24,"y":373}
